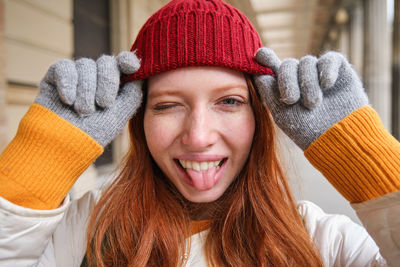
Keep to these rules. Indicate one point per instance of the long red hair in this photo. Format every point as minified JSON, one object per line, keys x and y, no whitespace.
{"x":142,"y":220}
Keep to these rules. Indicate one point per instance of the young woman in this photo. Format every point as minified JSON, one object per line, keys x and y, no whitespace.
{"x":201,"y":184}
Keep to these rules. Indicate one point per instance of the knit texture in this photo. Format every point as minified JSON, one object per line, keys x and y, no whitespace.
{"x":308,"y":96}
{"x":47,"y":155}
{"x":88,"y":94}
{"x":358,"y":157}
{"x":197,"y":33}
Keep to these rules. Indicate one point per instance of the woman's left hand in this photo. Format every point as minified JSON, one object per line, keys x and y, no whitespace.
{"x":307,"y":97}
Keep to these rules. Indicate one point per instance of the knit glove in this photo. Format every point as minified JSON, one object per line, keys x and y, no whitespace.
{"x":309,"y":96}
{"x":88,"y":94}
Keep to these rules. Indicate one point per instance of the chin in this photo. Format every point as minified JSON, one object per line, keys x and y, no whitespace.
{"x":202,"y":197}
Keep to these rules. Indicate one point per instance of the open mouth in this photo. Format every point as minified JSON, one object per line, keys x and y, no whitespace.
{"x":200,"y":166}
{"x":202,"y":175}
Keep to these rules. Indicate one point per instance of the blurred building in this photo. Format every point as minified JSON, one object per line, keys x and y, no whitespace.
{"x":36,"y":33}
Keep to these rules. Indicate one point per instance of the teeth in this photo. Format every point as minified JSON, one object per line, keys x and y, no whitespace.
{"x":203,"y":166}
{"x":183,"y":163}
{"x":199,"y":165}
{"x":196,"y":166}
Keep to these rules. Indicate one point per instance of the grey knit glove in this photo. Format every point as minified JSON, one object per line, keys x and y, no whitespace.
{"x":88,"y":94}
{"x":309,"y":96}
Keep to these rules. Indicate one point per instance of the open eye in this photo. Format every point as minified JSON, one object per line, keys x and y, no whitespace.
{"x":231,"y":101}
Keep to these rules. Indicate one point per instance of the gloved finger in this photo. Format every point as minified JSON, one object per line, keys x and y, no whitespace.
{"x":49,"y":77}
{"x":108,"y":78}
{"x":328,"y":69}
{"x":128,"y":100}
{"x":48,"y":93}
{"x":126,"y":104}
{"x":64,"y":77}
{"x":288,"y":81}
{"x":128,"y":62}
{"x":311,"y":94}
{"x":86,"y":88}
{"x":266,"y":57}
{"x":267,"y":88}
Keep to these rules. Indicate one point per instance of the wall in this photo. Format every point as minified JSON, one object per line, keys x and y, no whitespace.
{"x":37,"y":33}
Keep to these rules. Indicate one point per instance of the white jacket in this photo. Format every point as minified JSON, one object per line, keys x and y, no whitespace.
{"x":57,"y":237}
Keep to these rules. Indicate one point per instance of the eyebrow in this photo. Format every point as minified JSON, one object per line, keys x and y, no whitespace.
{"x":174,"y":92}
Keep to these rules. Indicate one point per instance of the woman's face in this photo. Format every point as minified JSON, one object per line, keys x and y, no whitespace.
{"x":199,"y":127}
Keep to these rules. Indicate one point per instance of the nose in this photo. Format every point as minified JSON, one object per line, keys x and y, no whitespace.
{"x":200,"y":132}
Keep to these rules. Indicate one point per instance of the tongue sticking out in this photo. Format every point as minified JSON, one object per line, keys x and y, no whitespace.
{"x":203,"y":180}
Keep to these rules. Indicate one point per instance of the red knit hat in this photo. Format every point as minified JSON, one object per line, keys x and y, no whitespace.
{"x":197,"y":33}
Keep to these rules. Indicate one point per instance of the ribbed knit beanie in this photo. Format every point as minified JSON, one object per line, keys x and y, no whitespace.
{"x":197,"y":33}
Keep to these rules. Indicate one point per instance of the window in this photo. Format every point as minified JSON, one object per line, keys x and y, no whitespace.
{"x":92,"y":39}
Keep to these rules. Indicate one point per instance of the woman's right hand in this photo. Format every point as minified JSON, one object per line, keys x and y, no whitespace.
{"x":88,"y":94}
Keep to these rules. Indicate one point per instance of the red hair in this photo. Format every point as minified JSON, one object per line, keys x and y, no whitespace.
{"x":142,"y":220}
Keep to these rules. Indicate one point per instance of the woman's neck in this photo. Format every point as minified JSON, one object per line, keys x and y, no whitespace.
{"x":203,"y":211}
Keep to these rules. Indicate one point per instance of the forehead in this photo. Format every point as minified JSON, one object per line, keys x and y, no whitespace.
{"x":194,"y":78}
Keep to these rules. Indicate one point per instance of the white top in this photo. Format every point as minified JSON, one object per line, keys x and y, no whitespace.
{"x":57,"y":237}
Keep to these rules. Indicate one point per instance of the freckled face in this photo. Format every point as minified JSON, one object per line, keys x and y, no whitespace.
{"x":199,"y":127}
